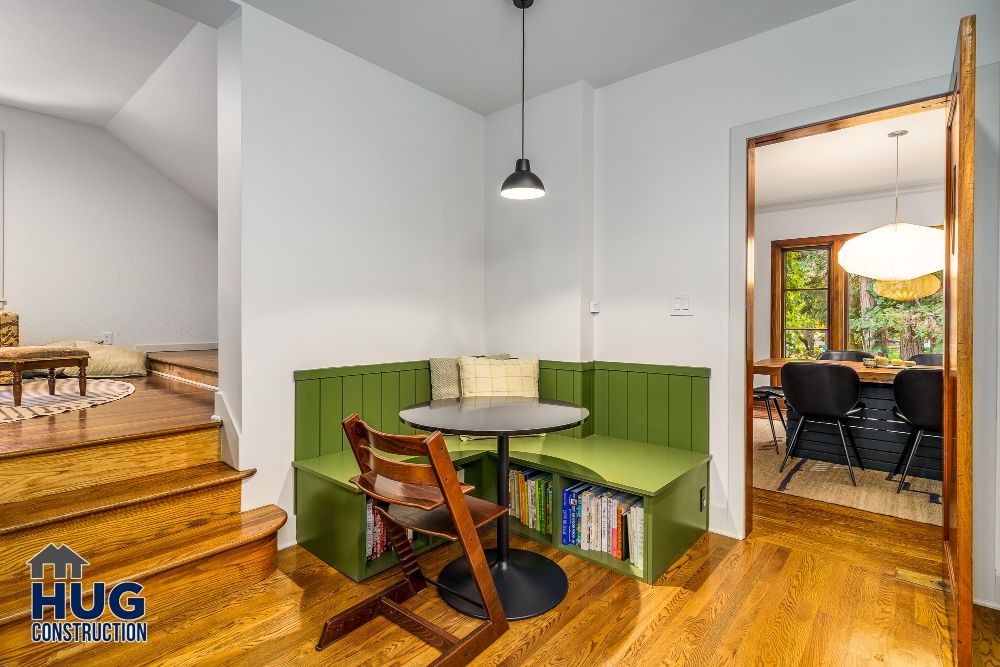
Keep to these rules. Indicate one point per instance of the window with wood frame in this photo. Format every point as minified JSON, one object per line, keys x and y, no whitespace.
{"x":816,"y":305}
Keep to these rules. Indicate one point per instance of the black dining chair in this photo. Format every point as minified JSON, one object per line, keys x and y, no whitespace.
{"x":919,"y":394}
{"x":845,"y":355}
{"x":769,"y":395}
{"x":925,"y":359}
{"x":823,"y":394}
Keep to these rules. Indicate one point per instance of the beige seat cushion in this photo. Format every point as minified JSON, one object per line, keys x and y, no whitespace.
{"x":41,"y":352}
{"x":110,"y":361}
{"x":499,"y":377}
{"x":445,"y":379}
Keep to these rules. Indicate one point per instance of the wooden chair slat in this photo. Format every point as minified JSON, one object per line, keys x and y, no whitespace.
{"x":438,"y":521}
{"x":407,"y":473}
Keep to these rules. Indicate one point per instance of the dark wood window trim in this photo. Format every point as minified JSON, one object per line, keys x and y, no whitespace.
{"x":837,"y":318}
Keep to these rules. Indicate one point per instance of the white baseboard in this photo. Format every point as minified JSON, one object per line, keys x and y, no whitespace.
{"x":987,"y":603}
{"x":176,"y":347}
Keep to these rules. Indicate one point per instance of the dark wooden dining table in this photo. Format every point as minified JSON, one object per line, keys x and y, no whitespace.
{"x":881,"y":375}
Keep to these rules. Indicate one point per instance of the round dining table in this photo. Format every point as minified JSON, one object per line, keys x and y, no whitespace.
{"x":528,"y":583}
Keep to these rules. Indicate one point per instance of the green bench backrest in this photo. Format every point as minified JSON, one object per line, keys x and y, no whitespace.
{"x":662,"y":405}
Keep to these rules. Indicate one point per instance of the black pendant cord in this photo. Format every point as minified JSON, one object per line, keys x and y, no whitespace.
{"x":523,"y":50}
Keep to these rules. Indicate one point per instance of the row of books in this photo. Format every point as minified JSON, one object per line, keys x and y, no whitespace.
{"x":531,"y":498}
{"x":376,"y":539}
{"x":600,"y":519}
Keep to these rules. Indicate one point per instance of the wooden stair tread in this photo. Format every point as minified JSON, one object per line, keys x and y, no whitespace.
{"x":157,"y":554}
{"x":438,"y":521}
{"x":88,"y":500}
{"x":199,"y":360}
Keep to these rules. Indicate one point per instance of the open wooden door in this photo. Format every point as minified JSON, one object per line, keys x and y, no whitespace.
{"x":958,"y":369}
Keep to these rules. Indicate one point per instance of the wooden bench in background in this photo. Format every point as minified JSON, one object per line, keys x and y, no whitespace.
{"x":19,"y":359}
{"x":648,"y":435}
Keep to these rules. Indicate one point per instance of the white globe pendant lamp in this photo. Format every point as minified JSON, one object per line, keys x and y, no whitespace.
{"x":897,"y":251}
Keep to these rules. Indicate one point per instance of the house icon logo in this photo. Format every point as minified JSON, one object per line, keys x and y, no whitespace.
{"x":62,"y":559}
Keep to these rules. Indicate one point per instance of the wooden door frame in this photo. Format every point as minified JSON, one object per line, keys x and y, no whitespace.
{"x":882,"y":113}
{"x":958,"y":331}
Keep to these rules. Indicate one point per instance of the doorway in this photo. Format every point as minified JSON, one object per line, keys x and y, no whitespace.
{"x":956,"y":535}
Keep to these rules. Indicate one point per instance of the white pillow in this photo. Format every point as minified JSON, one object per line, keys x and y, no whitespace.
{"x":499,"y":377}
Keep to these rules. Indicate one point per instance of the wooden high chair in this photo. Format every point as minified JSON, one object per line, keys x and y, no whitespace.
{"x":427,"y":499}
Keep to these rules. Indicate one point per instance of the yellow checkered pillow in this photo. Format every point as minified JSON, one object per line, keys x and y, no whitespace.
{"x":499,"y":377}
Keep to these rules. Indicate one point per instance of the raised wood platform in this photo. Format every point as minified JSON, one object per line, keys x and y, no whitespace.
{"x":201,"y":366}
{"x":851,"y":588}
{"x":137,"y":488}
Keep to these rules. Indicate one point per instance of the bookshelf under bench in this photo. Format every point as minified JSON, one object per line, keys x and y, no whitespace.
{"x":648,"y":436}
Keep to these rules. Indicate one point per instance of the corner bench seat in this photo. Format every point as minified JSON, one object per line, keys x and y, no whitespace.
{"x":648,"y":435}
{"x":672,"y":482}
{"x":627,"y":465}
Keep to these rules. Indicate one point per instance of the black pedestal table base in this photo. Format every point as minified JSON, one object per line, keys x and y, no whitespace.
{"x":528,"y":583}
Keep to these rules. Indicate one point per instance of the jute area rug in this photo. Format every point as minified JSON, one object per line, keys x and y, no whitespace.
{"x":36,"y":402}
{"x":831,"y":483}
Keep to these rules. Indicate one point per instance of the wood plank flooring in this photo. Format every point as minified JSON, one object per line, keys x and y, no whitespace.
{"x":158,"y":407}
{"x":815,"y":585}
{"x":203,"y":360}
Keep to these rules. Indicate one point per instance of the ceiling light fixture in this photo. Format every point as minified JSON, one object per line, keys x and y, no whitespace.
{"x":897,"y":251}
{"x":523,"y":183}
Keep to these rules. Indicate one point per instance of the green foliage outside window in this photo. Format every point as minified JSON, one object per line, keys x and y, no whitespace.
{"x":807,"y":296}
{"x":895,"y":329}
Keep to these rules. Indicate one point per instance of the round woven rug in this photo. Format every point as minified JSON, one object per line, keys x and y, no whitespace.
{"x":36,"y":402}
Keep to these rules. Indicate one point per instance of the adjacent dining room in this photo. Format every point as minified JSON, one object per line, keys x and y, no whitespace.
{"x":849,"y":316}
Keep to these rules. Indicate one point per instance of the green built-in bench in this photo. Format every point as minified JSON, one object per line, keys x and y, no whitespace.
{"x":647,"y":435}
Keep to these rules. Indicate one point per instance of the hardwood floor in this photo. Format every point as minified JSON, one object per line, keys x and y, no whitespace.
{"x":201,"y":366}
{"x":158,"y":407}
{"x":815,"y":585}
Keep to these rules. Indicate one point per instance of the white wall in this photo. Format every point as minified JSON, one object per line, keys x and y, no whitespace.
{"x":539,"y":253}
{"x":663,"y":164}
{"x":362,"y":229}
{"x":171,"y":120}
{"x":98,"y":240}
{"x":229,"y":398}
{"x":842,"y":216}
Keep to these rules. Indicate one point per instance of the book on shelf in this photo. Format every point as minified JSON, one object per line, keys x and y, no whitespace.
{"x":531,"y":498}
{"x":596,"y":518}
{"x":376,"y":538}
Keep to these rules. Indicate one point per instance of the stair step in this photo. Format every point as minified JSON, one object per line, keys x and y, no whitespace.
{"x":114,"y":495}
{"x":201,"y":366}
{"x":40,"y":473}
{"x":157,"y":556}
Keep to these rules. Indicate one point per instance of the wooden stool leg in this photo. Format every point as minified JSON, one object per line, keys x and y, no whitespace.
{"x":52,"y":382}
{"x":17,"y":386}
{"x":83,"y":378}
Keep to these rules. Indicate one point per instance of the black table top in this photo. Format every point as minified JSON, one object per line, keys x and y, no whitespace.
{"x":494,"y":415}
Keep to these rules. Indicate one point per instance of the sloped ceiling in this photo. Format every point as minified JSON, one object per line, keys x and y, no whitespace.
{"x":82,"y":59}
{"x":171,"y":121}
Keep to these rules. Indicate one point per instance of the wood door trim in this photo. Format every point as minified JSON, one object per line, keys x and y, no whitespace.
{"x":958,"y":369}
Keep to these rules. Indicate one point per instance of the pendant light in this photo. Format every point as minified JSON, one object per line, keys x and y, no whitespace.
{"x":898,"y":251}
{"x":523,"y":183}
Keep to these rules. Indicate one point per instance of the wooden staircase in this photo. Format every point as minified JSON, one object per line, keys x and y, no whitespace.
{"x":156,"y":507}
{"x":201,"y":366}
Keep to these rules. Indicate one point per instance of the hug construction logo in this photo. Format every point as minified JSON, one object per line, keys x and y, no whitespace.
{"x":76,"y":610}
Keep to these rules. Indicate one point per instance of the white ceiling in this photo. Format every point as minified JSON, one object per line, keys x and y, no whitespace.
{"x":82,"y":59}
{"x":469,"y":50}
{"x":858,"y":160}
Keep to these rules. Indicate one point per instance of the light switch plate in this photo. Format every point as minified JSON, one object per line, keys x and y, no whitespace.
{"x":681,"y":305}
{"x":595,"y":307}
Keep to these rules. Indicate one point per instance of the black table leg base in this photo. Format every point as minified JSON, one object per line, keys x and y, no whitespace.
{"x":528,"y":583}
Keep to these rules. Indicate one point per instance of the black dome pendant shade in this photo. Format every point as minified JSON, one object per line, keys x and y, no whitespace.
{"x":523,"y":183}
